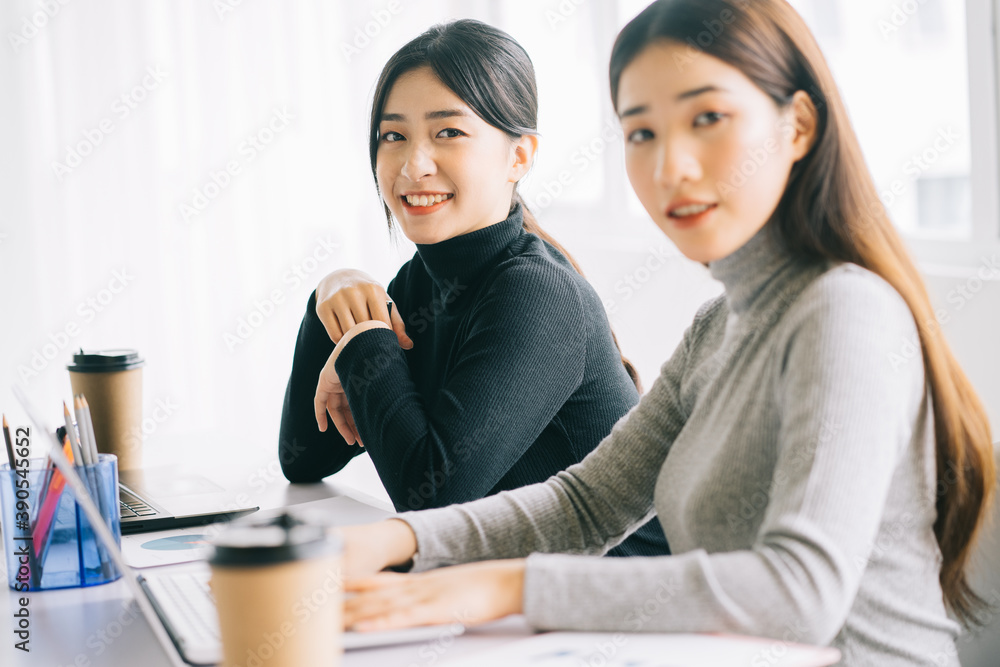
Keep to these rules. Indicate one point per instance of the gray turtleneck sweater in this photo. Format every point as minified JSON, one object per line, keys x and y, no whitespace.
{"x":789,"y":456}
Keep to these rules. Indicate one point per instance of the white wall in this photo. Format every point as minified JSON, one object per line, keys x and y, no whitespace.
{"x":972,"y":325}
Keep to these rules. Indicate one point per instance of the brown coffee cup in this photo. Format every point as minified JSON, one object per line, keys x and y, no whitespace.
{"x":111,"y":381}
{"x":278,"y":592}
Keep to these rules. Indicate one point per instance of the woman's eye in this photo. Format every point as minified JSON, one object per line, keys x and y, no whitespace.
{"x":390,"y":137}
{"x":712,"y":117}
{"x":639,"y":136}
{"x":451,"y":133}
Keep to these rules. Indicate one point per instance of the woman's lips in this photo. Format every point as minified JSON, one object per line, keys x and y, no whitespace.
{"x":424,"y":210}
{"x":689,"y":221}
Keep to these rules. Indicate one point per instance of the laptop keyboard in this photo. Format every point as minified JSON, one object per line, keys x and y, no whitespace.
{"x":185,"y":599}
{"x":130,"y":506}
{"x":184,"y":602}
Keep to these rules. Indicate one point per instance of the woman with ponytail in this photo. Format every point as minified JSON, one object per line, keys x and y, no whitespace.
{"x":488,"y":363}
{"x":812,"y":487}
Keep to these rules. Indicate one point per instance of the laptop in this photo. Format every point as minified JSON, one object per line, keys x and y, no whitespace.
{"x":162,"y":499}
{"x":176,"y":600}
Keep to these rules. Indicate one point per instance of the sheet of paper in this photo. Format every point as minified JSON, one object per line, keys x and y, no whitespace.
{"x":573,"y":649}
{"x":183,"y":545}
{"x":166,"y":547}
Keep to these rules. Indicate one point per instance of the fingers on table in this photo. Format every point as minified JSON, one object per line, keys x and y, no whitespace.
{"x":386,"y":601}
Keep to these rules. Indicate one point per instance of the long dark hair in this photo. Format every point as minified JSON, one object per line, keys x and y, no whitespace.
{"x":491,"y":73}
{"x":831,"y":209}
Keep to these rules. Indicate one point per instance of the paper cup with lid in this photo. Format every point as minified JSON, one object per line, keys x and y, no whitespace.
{"x":278,"y":590}
{"x":111,"y":380}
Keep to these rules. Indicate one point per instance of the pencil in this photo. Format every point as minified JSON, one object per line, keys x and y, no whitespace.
{"x":89,"y":447}
{"x":90,"y":427}
{"x":74,"y":441}
{"x":81,"y":425}
{"x":86,"y":429}
{"x":10,"y":446}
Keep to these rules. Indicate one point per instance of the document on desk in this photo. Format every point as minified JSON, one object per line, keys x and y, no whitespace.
{"x":572,"y":649}
{"x":167,"y":547}
{"x":185,"y":545}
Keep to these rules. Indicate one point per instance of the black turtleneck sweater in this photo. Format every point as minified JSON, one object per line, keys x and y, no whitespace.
{"x":513,"y":376}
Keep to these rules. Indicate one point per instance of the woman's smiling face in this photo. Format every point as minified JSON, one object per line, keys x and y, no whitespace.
{"x":707,"y":152}
{"x":442,"y":170}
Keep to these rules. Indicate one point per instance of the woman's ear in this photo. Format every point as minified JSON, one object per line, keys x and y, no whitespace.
{"x":805,"y":121}
{"x":524,"y":156}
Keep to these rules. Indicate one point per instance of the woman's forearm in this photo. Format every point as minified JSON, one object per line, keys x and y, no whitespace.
{"x":305,"y":453}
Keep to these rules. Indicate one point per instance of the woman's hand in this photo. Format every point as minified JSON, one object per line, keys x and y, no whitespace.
{"x":330,"y":396}
{"x":373,"y":547}
{"x":348,"y":296}
{"x":472,"y":594}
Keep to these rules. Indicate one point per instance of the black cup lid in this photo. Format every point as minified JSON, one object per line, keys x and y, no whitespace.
{"x":105,"y":361}
{"x":282,"y":538}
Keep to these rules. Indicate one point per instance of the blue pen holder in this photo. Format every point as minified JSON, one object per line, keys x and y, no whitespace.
{"x":50,"y":543}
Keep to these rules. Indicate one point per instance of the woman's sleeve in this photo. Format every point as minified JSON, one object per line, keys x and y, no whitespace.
{"x":306,"y":454}
{"x":520,"y":360}
{"x":586,"y":509}
{"x":845,"y":417}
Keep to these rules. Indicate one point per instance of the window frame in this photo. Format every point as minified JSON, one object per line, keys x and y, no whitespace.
{"x":984,"y":175}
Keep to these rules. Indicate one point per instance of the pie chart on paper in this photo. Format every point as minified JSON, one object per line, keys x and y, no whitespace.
{"x":176,"y":543}
{"x":167,"y":547}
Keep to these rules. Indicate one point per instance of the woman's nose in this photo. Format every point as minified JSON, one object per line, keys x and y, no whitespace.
{"x":419,"y":163}
{"x":677,"y":163}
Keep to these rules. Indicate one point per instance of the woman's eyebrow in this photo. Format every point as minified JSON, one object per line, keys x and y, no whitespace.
{"x":445,"y":113}
{"x":698,"y":91}
{"x":430,"y":115}
{"x":642,"y":108}
{"x":634,"y":111}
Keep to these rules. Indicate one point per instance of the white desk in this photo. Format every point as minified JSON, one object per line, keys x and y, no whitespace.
{"x":96,"y":626}
{"x":87,"y":627}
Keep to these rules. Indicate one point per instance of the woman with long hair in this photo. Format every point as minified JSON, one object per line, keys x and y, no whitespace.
{"x":506,"y":370}
{"x":811,"y":487}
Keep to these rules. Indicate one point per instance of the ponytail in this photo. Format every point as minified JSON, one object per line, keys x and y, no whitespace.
{"x":531,"y":226}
